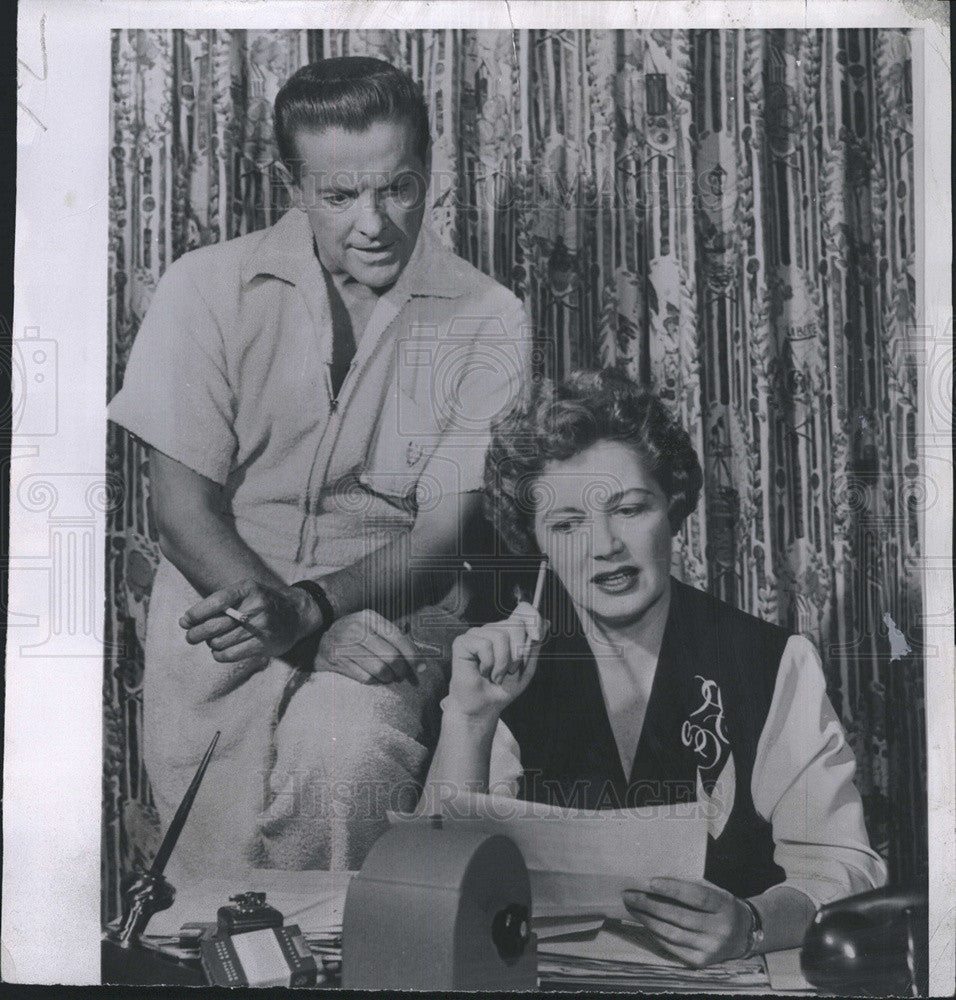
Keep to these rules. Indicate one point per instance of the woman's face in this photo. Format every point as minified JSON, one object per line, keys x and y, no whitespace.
{"x":601,"y":519}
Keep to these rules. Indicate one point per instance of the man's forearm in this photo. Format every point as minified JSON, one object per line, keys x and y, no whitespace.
{"x":208,"y":551}
{"x":406,"y":573}
{"x":388,"y":582}
{"x":195,"y":535}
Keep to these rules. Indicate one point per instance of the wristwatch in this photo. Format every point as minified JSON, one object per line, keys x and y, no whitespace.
{"x":315,"y":591}
{"x":755,"y":932}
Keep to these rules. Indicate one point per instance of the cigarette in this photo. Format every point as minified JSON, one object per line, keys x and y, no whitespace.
{"x":424,"y":647}
{"x":245,"y":621}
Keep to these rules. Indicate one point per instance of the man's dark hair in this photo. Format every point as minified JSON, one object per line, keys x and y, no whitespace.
{"x":348,"y":92}
{"x":561,"y":420}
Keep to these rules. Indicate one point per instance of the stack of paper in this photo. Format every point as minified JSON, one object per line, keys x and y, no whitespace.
{"x":622,"y":955}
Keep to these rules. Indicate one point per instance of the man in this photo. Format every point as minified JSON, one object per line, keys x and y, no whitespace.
{"x":316,"y":400}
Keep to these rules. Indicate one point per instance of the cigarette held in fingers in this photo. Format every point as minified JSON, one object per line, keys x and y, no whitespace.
{"x":423,"y":647}
{"x":245,"y":621}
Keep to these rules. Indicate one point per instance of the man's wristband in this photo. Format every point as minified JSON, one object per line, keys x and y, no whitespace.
{"x":755,"y":933}
{"x":315,"y":591}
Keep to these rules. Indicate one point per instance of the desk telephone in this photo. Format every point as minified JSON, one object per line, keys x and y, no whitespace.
{"x":874,"y":944}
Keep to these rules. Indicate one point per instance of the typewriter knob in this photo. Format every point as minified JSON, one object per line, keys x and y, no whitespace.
{"x":511,"y":930}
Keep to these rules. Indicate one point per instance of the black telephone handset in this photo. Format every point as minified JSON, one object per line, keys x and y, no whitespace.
{"x":874,"y":944}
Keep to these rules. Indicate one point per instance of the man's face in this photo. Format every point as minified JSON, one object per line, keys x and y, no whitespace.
{"x":364,"y":193}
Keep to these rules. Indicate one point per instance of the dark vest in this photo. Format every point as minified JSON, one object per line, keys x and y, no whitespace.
{"x":713,"y":657}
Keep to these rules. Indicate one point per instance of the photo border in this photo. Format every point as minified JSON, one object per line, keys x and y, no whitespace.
{"x":53,"y":736}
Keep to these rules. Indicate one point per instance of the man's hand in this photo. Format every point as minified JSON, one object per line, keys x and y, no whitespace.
{"x":277,"y":618}
{"x":369,"y":649}
{"x":695,"y":920}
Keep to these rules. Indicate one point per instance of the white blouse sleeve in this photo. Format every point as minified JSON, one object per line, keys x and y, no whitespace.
{"x":504,"y":771}
{"x":504,"y":765}
{"x":803,"y":785}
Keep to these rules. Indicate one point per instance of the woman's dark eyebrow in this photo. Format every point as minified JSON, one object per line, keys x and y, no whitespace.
{"x":613,"y":499}
{"x":616,"y":498}
{"x":564,"y":510}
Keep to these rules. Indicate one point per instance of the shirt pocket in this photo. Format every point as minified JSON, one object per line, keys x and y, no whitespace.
{"x":407,"y":433}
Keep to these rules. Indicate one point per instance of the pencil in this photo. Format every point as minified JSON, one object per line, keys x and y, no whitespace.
{"x":539,"y":585}
{"x":536,"y":604}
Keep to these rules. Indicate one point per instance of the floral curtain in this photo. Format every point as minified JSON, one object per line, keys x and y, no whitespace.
{"x":726,"y":215}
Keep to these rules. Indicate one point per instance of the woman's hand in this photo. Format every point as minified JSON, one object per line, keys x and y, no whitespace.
{"x":493,"y":664}
{"x":277,"y":618}
{"x":696,"y":921}
{"x":370,"y":649}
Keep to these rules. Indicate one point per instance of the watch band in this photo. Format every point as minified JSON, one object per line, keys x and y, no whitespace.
{"x":755,"y":932}
{"x":315,"y":591}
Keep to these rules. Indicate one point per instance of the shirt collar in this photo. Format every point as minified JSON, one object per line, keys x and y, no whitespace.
{"x":286,"y":252}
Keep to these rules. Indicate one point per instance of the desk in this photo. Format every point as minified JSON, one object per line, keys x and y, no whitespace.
{"x":315,"y":901}
{"x":784,"y":977}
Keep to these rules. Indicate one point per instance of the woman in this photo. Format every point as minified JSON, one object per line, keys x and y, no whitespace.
{"x":657,"y":693}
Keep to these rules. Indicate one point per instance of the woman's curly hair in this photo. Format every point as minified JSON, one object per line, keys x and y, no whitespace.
{"x":559,"y":421}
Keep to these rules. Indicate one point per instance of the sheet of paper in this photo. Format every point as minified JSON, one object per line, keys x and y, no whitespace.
{"x":617,"y":942}
{"x":581,"y":861}
{"x":552,"y":928}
